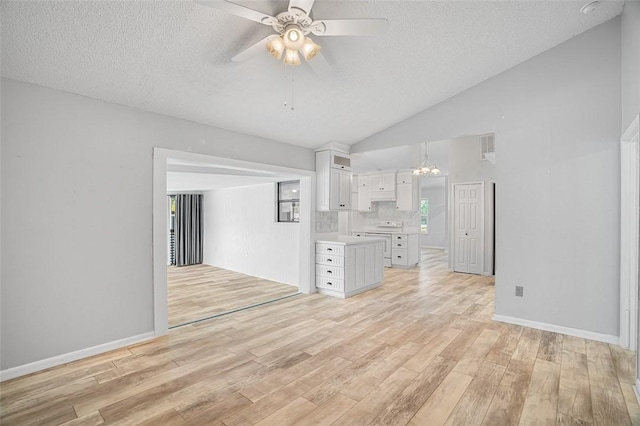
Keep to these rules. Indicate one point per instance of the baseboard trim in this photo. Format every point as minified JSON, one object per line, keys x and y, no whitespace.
{"x":635,"y":390}
{"x":599,"y":337}
{"x":32,"y":367}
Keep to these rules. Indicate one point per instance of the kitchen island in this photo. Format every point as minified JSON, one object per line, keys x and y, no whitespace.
{"x":346,"y":266}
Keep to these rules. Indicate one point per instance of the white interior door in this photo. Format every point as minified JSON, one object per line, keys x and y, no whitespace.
{"x":468,"y":222}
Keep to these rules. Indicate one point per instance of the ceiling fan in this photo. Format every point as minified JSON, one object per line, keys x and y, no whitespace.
{"x":293,"y":27}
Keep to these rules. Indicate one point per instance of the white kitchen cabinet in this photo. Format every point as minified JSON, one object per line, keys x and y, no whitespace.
{"x":405,"y":250}
{"x":364,"y":194}
{"x":364,"y":200}
{"x":405,"y":177}
{"x":348,"y":266}
{"x":387,"y":181}
{"x":340,"y":193}
{"x":407,"y":192}
{"x":333,"y":181}
{"x":383,"y":186}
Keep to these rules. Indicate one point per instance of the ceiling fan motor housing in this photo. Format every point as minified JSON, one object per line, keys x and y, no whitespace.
{"x":292,"y":17}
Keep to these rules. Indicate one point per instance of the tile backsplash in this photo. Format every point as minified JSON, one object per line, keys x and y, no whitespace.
{"x":385,"y":210}
{"x":326,"y":222}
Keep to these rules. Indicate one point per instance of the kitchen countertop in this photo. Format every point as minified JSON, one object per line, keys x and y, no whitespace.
{"x":348,"y":240}
{"x":381,"y":231}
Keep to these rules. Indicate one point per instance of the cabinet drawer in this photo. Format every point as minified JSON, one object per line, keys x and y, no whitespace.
{"x":399,"y":244}
{"x":327,"y":271}
{"x":399,"y":237}
{"x":330,"y":283}
{"x":328,"y":259}
{"x":399,"y":257}
{"x":333,"y":249}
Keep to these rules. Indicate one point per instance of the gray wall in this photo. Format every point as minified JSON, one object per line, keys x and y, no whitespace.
{"x":630,"y":62}
{"x":77,"y":215}
{"x":557,"y":123}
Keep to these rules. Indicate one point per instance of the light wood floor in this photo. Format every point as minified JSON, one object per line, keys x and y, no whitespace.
{"x":419,"y":350}
{"x":200,"y":291}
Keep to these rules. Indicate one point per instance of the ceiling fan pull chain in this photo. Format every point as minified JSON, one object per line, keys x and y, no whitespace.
{"x":291,"y":69}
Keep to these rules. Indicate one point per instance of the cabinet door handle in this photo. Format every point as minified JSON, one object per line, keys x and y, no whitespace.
{"x":329,"y":272}
{"x":329,"y":249}
{"x":329,"y":283}
{"x":399,"y":257}
{"x":329,"y":260}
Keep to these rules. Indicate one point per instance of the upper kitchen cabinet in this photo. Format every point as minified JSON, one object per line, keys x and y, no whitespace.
{"x":407,"y":194}
{"x":364,"y":193}
{"x":383,"y":186}
{"x":333,"y":181}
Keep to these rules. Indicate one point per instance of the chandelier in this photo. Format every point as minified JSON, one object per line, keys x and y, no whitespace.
{"x":426,"y":168}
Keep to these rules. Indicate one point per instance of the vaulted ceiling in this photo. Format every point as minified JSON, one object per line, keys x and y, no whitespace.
{"x":174,"y":58}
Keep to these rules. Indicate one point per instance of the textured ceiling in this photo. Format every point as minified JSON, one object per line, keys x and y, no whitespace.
{"x":173,"y":57}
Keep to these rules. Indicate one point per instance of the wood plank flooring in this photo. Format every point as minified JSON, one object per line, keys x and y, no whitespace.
{"x":200,"y":291}
{"x":419,"y":350}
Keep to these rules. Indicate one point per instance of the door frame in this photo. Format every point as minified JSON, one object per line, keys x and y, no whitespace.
{"x":452,"y":224}
{"x":306,"y":272}
{"x":629,"y":235}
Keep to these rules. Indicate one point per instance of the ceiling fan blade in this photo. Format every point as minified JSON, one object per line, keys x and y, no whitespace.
{"x":254,"y":49}
{"x":236,"y":9}
{"x":320,"y":66}
{"x":350,"y":27}
{"x":304,"y":5}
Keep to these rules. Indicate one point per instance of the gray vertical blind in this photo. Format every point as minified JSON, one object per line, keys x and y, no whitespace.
{"x":188,"y":229}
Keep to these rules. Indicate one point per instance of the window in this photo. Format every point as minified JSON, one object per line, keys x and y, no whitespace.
{"x":289,"y":201}
{"x":424,"y":215}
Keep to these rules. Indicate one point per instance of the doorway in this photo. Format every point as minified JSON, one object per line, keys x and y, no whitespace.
{"x":301,"y":260}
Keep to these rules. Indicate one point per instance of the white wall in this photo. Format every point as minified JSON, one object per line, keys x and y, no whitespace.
{"x":242,"y":235}
{"x":77,"y":215}
{"x":466,"y":165}
{"x":435,"y":189}
{"x":557,"y":123}
{"x":630,"y":62}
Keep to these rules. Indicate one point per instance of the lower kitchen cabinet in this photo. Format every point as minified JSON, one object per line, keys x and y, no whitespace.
{"x":405,"y":250}
{"x":349,"y":266}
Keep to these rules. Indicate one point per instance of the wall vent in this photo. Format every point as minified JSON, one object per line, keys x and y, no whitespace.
{"x":488,"y":147}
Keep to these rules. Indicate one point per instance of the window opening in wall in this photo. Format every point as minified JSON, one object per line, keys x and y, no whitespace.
{"x":289,"y":201}
{"x":424,"y":215}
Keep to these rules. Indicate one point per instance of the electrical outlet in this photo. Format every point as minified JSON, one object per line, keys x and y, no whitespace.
{"x":519,"y":291}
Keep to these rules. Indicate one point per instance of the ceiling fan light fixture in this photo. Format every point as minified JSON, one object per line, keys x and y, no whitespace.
{"x":276,"y":47}
{"x":309,"y":49}
{"x":293,"y":37}
{"x":291,"y":57}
